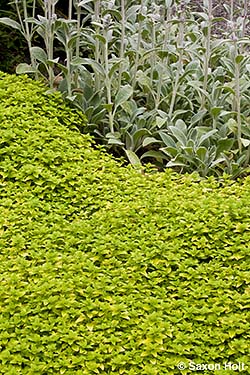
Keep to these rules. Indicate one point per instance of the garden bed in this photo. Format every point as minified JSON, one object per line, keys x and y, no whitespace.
{"x":107,"y":271}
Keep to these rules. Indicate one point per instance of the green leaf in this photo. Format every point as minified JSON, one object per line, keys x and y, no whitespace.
{"x":138,"y":134}
{"x":115,"y":141}
{"x":123,"y":95}
{"x":63,"y":68}
{"x":224,"y":144}
{"x":167,"y":139}
{"x":171,"y":151}
{"x":239,"y":59}
{"x":113,"y":135}
{"x":160,"y":122}
{"x":245,"y":142}
{"x":168,"y":3}
{"x":97,"y":67}
{"x":143,"y":79}
{"x":115,"y":66}
{"x":24,"y":68}
{"x":100,"y":37}
{"x":216,"y":111}
{"x":9,"y":22}
{"x":175,"y":164}
{"x":217,"y":161}
{"x":83,"y":2}
{"x":232,"y":125}
{"x":207,"y":135}
{"x":181,"y":125}
{"x":198,"y":116}
{"x":158,"y":155}
{"x":188,"y":150}
{"x":108,"y":107}
{"x":149,"y":140}
{"x":71,"y":98}
{"x":133,"y":159}
{"x":179,"y":135}
{"x":201,"y":153}
{"x":39,"y":54}
{"x":116,"y":14}
{"x":114,"y":138}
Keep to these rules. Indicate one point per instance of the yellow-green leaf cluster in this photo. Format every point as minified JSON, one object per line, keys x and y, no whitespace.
{"x":107,"y":271}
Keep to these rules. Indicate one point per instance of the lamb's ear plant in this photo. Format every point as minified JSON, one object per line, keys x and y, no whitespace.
{"x":194,"y":149}
{"x":42,"y":61}
{"x":107,"y":33}
{"x":139,"y":69}
{"x":122,"y":39}
{"x":141,"y":12}
{"x":96,"y":44}
{"x":161,"y":67}
{"x":46,"y":27}
{"x":237,"y":58}
{"x":207,"y":30}
{"x":49,"y":35}
{"x":67,"y":35}
{"x":26,"y":30}
{"x":180,"y":50}
{"x":244,"y":19}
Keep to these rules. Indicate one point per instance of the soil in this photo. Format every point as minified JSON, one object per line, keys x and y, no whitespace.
{"x":219,"y":10}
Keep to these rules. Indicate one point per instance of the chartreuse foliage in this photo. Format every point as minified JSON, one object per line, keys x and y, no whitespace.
{"x":157,"y":81}
{"x":107,"y":271}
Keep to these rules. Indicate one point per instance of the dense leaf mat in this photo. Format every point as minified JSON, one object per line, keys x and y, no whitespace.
{"x":104,"y":270}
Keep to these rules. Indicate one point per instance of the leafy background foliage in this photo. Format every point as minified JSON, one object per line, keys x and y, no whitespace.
{"x":107,"y":271}
{"x":164,"y":82}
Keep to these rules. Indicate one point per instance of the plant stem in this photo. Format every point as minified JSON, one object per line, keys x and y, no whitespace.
{"x":207,"y":54}
{"x":20,"y":18}
{"x":122,"y":45}
{"x":153,"y":54}
{"x":26,"y":32}
{"x":179,"y":65}
{"x":164,"y":59}
{"x":232,"y":11}
{"x":137,"y":56}
{"x":244,"y":19}
{"x":68,"y":77}
{"x":107,"y":80}
{"x":50,"y":39}
{"x":97,"y":43}
{"x":78,"y":17}
{"x":237,"y":97}
{"x":238,"y":103}
{"x":33,"y":14}
{"x":70,"y":10}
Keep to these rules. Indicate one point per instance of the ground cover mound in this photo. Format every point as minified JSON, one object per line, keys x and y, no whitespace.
{"x":107,"y":271}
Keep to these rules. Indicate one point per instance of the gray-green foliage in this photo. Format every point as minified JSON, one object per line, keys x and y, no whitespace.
{"x":107,"y":271}
{"x":145,"y":67}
